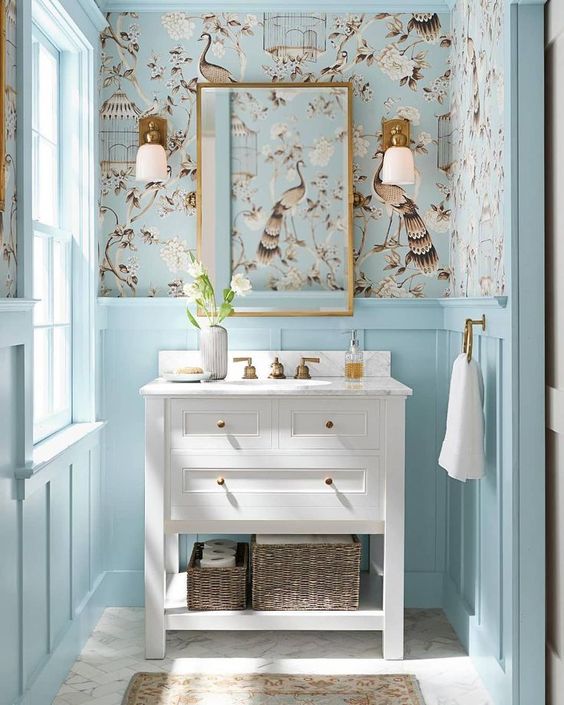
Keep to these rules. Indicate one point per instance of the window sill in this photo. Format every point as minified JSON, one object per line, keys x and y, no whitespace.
{"x":51,"y":448}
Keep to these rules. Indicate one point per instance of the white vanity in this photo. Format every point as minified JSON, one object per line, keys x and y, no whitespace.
{"x":276,"y":456}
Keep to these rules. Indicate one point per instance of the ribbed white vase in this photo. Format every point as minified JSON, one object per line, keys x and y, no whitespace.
{"x":213,"y":348}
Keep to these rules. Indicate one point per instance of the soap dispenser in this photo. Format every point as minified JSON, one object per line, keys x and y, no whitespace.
{"x":354,"y":359}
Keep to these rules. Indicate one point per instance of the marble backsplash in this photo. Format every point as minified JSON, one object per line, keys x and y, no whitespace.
{"x":377,"y":363}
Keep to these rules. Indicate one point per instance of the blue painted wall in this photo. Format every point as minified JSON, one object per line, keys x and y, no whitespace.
{"x":51,"y":547}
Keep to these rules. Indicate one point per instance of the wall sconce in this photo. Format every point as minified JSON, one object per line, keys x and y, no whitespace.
{"x":398,"y":166}
{"x":151,"y":164}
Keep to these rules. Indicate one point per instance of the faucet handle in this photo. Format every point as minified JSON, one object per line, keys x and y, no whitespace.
{"x":302,"y":371}
{"x":277,"y":370}
{"x":250,"y":371}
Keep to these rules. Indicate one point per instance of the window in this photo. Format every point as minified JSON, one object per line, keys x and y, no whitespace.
{"x":52,"y":248}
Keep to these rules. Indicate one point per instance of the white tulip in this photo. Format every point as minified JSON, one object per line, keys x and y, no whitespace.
{"x":196,"y":269}
{"x":191,"y":291}
{"x":240,"y":284}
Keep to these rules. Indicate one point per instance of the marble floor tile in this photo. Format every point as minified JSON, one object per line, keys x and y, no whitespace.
{"x":114,"y":653}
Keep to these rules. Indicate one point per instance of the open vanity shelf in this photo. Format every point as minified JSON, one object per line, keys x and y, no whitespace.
{"x":266,"y":458}
{"x":369,"y":616}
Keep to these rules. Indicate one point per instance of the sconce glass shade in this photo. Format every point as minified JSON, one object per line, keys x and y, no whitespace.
{"x":398,"y":167}
{"x":151,"y":164}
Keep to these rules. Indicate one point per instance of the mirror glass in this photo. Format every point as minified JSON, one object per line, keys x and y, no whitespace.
{"x":275,"y":194}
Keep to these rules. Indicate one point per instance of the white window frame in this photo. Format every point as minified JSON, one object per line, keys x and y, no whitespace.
{"x":77,"y":192}
{"x":60,"y":419}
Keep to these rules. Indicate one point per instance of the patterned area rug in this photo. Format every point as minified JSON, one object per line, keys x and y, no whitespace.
{"x":267,"y":689}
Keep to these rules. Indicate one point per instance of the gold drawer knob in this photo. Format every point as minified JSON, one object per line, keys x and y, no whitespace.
{"x":329,"y":424}
{"x":220,"y":480}
{"x":328,"y":480}
{"x":221,"y":423}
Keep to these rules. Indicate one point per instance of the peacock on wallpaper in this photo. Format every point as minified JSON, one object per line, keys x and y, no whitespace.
{"x":397,"y":65}
{"x":288,"y":185}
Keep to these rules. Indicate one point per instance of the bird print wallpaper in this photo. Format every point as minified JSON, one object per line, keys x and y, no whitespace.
{"x":478,"y":149}
{"x":289,"y":179}
{"x":398,"y":66}
{"x":8,"y":258}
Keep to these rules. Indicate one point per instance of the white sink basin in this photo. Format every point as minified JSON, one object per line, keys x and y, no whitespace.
{"x":274,"y":383}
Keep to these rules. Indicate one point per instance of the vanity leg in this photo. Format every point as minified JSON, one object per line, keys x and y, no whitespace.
{"x":392,"y":640}
{"x":155,"y":635}
{"x":171,"y":553}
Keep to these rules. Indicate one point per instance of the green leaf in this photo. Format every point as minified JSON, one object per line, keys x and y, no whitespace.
{"x":230,"y":296}
{"x":225,"y":310}
{"x":192,"y":320}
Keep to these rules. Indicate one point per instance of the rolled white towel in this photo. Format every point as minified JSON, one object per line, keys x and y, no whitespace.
{"x":220,"y":543}
{"x":217,"y":553}
{"x":224,"y":561}
{"x":462,"y":453}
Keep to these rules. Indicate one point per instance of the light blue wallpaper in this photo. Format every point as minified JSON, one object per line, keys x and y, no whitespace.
{"x":397,"y":64}
{"x":8,"y":244}
{"x":289,"y":170}
{"x":478,"y":136}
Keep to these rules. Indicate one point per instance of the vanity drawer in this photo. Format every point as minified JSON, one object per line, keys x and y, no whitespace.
{"x":220,"y":424}
{"x":330,"y":423}
{"x":279,"y":485}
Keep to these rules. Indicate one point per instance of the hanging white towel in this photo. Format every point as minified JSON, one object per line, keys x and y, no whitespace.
{"x":462,"y":454}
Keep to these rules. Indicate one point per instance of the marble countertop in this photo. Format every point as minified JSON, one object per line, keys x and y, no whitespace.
{"x":328,"y":386}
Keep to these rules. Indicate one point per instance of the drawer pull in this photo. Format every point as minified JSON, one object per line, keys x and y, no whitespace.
{"x":220,"y":480}
{"x":329,"y":424}
{"x":328,"y":480}
{"x":221,"y":423}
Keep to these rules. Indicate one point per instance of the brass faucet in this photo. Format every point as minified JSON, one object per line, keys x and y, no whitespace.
{"x":277,"y":370}
{"x":250,"y":371}
{"x":302,"y":370}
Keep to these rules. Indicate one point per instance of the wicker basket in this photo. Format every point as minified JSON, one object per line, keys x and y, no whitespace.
{"x":305,"y":576}
{"x":218,"y":588}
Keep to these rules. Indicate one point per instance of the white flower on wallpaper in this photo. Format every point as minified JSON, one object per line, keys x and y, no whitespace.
{"x":409,"y":112}
{"x":398,"y":65}
{"x":178,"y":25}
{"x":175,"y":253}
{"x":322,"y":151}
{"x":359,"y":141}
{"x":395,"y":64}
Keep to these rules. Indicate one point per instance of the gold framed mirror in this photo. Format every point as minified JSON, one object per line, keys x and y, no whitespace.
{"x":275,"y":194}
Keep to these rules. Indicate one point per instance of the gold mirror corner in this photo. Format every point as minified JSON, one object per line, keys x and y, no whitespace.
{"x":275,"y":194}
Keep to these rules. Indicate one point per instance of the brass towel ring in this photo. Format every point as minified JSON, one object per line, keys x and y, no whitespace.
{"x":468,"y":337}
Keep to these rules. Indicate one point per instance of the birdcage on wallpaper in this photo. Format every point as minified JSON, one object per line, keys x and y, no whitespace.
{"x":119,"y":133}
{"x":244,"y":152}
{"x":444,"y":142}
{"x":294,"y":35}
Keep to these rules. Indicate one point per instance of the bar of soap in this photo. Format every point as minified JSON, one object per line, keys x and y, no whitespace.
{"x":189,"y":371}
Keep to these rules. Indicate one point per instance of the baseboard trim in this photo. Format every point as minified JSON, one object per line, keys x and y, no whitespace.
{"x":423,"y":590}
{"x":48,"y":680}
{"x":477,"y":643}
{"x":458,"y":612}
{"x":124,"y":588}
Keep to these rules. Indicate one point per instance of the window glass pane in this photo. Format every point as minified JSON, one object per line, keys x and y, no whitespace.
{"x":47,"y":93}
{"x":35,"y":175}
{"x":41,"y":279}
{"x":41,"y":374}
{"x":51,"y":251}
{"x":46,"y":168}
{"x":61,"y":282}
{"x":61,"y":368}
